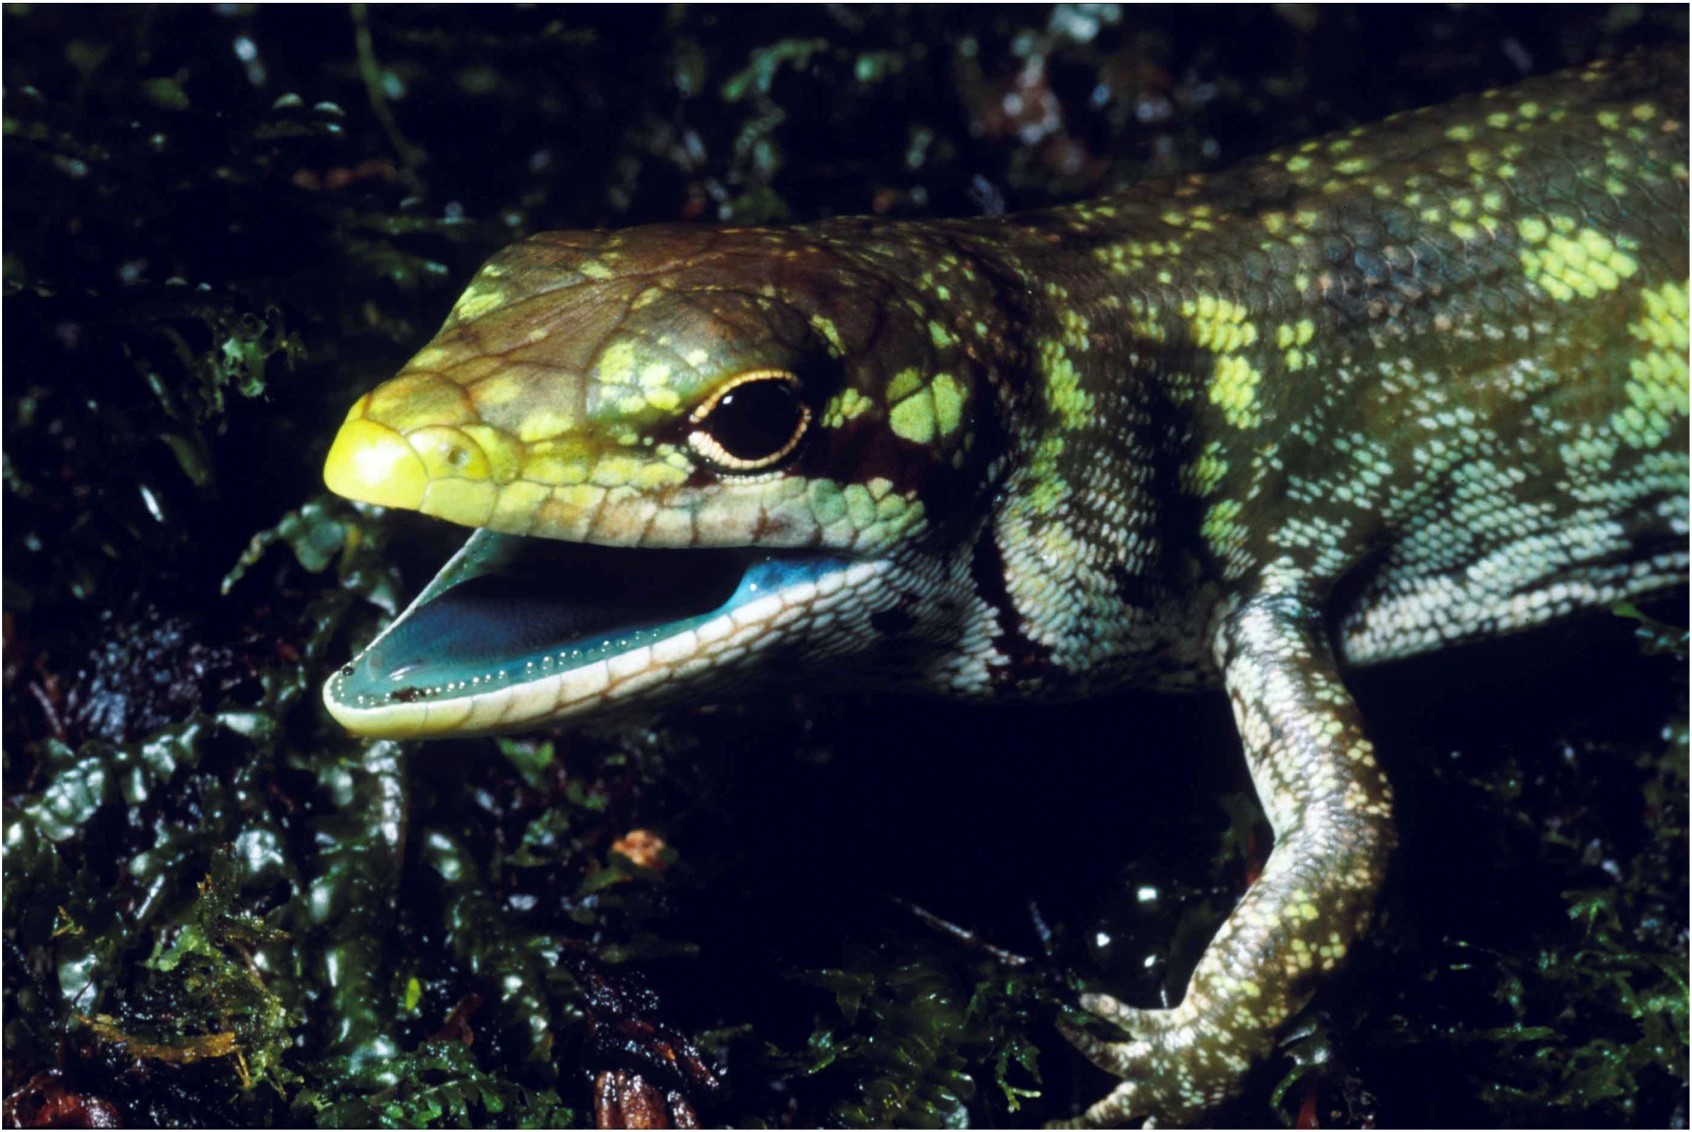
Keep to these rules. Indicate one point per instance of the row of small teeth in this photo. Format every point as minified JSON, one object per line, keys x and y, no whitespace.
{"x":530,"y":668}
{"x":676,"y":655}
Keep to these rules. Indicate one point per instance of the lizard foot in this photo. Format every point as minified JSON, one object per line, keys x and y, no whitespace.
{"x":1175,"y":1066}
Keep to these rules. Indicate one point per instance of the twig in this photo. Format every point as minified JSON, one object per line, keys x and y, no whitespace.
{"x":370,"y":72}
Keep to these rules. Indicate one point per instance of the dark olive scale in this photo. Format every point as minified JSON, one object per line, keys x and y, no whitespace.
{"x":1373,"y":395}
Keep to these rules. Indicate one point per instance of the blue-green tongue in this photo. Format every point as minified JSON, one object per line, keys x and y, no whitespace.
{"x":504,"y":604}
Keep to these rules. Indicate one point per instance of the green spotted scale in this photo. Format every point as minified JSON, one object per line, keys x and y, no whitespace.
{"x":1417,"y":383}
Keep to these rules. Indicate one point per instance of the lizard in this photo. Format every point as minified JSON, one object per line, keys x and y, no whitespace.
{"x":1406,"y":386}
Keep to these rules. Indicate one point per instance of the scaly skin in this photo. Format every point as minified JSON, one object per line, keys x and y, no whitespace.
{"x":1410,"y":385}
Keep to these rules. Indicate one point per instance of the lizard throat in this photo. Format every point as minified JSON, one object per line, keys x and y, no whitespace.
{"x":515,"y":632}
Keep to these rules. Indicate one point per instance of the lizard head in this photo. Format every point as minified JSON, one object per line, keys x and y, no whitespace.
{"x":681,"y":448}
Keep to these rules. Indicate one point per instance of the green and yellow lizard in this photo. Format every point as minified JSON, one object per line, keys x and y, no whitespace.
{"x":1401,"y":387}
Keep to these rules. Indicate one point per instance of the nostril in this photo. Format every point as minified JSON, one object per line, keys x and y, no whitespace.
{"x":448,"y":453}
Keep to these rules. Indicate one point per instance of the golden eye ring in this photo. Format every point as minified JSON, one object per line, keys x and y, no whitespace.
{"x":752,"y":423}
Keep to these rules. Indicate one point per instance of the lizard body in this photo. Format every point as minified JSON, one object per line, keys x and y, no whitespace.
{"x":1401,"y":387}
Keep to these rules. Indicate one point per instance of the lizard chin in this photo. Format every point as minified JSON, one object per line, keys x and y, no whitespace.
{"x":516,"y":632}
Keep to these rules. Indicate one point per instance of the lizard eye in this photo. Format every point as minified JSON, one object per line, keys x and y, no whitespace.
{"x":752,"y":423}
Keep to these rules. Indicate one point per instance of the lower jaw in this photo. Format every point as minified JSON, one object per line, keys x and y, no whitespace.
{"x":776,"y":596}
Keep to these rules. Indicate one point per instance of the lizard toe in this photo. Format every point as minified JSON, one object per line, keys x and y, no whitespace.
{"x":1174,"y":1070}
{"x":1133,"y":1019}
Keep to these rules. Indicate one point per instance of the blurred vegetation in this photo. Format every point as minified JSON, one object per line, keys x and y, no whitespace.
{"x":222,"y":223}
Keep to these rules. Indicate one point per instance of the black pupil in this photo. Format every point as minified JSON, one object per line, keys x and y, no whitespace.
{"x":755,"y":420}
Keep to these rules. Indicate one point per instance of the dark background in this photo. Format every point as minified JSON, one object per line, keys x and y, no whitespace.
{"x":221,"y":224}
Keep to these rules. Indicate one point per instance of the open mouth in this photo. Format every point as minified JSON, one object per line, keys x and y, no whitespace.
{"x":514,"y":631}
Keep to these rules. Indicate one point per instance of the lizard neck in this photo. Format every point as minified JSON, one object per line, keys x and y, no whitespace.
{"x":1075,"y":566}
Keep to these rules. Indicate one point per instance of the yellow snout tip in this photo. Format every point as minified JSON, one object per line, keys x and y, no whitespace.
{"x":374,"y":464}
